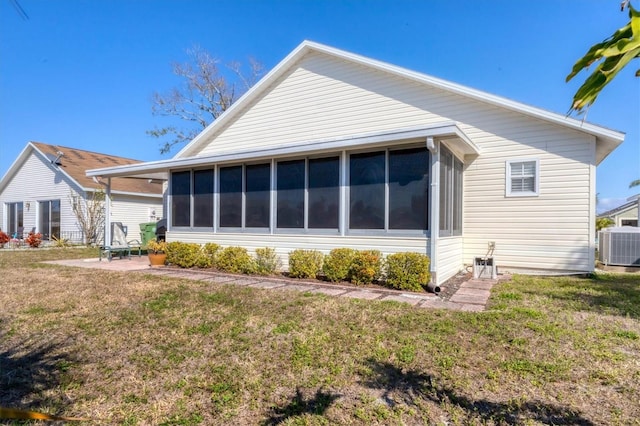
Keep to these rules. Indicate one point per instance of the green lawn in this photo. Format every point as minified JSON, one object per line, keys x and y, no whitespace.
{"x":132,"y":348}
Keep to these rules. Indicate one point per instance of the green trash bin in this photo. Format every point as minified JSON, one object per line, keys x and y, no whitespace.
{"x":147,"y":233}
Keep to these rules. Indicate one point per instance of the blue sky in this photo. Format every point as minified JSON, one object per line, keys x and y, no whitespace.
{"x":81,"y":73}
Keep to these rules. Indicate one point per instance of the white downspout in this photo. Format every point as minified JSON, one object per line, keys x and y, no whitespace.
{"x":434,"y":223}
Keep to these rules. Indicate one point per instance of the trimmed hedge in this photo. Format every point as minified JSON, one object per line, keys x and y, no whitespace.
{"x":267,"y":262}
{"x":235,"y":260}
{"x":408,"y":271}
{"x":337,"y":264}
{"x":366,"y":267}
{"x":184,"y":255}
{"x":207,"y":257}
{"x":305,"y":263}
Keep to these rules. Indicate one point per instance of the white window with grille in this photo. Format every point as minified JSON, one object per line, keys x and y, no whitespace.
{"x":522,"y":178}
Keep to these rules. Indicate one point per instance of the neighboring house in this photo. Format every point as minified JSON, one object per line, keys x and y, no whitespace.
{"x":39,"y":188}
{"x":624,"y":215}
{"x":332,"y":149}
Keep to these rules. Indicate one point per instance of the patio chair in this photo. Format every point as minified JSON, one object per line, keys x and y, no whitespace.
{"x":119,"y":245}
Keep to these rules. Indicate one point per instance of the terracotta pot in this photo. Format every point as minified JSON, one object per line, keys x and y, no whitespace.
{"x":157,"y":259}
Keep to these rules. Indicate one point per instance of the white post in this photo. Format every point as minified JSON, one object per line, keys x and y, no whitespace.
{"x":434,"y":222}
{"x":107,"y":213}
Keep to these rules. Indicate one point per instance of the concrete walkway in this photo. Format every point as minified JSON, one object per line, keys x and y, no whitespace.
{"x":472,"y":295}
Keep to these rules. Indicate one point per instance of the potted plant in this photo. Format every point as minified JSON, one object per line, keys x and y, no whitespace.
{"x":157,"y":252}
{"x":4,"y":239}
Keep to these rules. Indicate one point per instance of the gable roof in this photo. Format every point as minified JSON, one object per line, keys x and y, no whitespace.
{"x":629,"y":205}
{"x":606,"y":139}
{"x":75,"y":162}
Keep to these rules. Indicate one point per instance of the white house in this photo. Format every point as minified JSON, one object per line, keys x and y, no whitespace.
{"x":624,"y":215}
{"x":39,"y":188}
{"x":332,"y":149}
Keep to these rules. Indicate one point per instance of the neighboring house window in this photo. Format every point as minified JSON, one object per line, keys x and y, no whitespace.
{"x":245,"y":196}
{"x":16,"y":218}
{"x":388,"y":190}
{"x":49,"y":219}
{"x":629,"y":222}
{"x":522,"y":178}
{"x":450,"y":194}
{"x":192,"y":198}
{"x":313,"y":183}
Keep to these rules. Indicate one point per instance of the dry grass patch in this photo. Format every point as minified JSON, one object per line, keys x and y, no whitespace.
{"x":132,"y":348}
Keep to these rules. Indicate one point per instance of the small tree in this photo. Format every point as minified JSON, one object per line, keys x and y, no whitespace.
{"x":207,"y":91}
{"x":89,"y":211}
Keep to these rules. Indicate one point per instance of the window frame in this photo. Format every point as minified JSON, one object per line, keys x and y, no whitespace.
{"x":386,"y":231}
{"x":306,"y":228}
{"x":243,"y":203}
{"x":47,"y":229}
{"x":192,"y":199}
{"x":509,"y":192}
{"x":451,"y":219}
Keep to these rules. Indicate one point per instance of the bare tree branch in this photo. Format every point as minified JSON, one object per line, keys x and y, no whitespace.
{"x":206,"y":93}
{"x":89,"y":212}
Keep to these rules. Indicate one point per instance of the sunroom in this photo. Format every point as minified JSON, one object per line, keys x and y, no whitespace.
{"x":366,"y":191}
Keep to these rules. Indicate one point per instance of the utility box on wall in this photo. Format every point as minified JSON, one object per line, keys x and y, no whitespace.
{"x":484,"y":268}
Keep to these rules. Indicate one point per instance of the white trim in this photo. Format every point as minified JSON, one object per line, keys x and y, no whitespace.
{"x":440,"y":130}
{"x":508,"y":178}
{"x":610,"y":138}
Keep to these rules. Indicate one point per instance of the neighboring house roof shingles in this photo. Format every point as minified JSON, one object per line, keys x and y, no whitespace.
{"x":75,"y":162}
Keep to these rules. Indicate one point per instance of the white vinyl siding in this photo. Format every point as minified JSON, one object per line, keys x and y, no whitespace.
{"x":324,"y":97}
{"x":284,"y":243}
{"x":38,"y":180}
{"x":132,"y":211}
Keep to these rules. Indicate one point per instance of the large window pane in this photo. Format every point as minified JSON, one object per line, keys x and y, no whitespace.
{"x":181,"y":198}
{"x":203,"y":198}
{"x":367,"y":181}
{"x":324,"y":193}
{"x":290,"y":185}
{"x":446,"y":181}
{"x":45,"y":219}
{"x":231,"y":196}
{"x":55,"y":218}
{"x":408,"y":188}
{"x":16,"y":219}
{"x":257,"y":198}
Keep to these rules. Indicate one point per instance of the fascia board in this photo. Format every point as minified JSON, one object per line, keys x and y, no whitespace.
{"x":611,"y":138}
{"x":475,"y":94}
{"x":446,"y":129}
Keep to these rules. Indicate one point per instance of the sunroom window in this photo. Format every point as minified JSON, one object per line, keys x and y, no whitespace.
{"x":308,"y":189}
{"x":245,"y":196}
{"x":192,"y":198}
{"x":450,"y":194}
{"x":388,"y":190}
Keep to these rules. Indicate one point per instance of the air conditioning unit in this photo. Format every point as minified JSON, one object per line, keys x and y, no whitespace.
{"x":484,"y":268}
{"x":619,"y":246}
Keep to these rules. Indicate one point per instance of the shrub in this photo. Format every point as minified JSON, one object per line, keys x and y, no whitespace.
{"x":408,"y":271}
{"x":184,"y":255}
{"x":366,"y":267}
{"x":305,"y":263}
{"x":337,"y":264}
{"x":235,"y":260}
{"x":207,"y":257}
{"x":4,"y":238}
{"x":34,"y":239}
{"x":267,"y":261}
